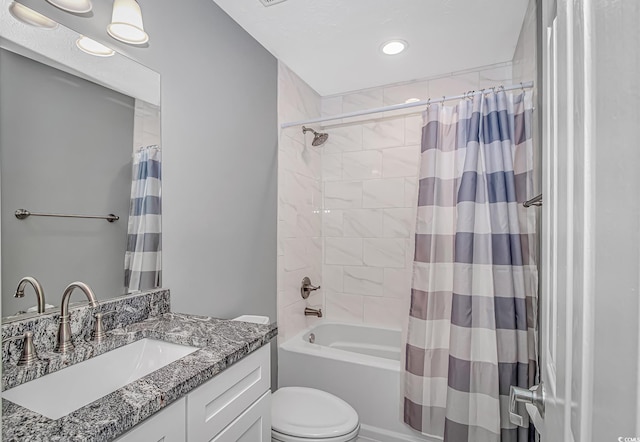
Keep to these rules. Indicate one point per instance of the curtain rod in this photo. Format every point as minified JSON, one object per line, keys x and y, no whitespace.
{"x":525,"y":85}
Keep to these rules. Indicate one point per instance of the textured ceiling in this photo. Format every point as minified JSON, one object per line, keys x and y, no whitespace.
{"x":334,"y":45}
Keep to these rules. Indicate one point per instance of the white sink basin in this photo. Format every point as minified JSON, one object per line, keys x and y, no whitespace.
{"x":64,"y":391}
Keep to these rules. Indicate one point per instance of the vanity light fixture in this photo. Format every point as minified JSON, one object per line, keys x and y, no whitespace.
{"x":30,"y":17}
{"x":394,"y":47}
{"x":74,"y":6}
{"x":92,"y":47}
{"x":126,"y":23}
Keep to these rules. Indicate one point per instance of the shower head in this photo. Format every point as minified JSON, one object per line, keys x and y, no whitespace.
{"x":318,"y":137}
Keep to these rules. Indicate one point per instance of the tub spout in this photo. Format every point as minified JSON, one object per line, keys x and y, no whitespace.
{"x":313,"y":312}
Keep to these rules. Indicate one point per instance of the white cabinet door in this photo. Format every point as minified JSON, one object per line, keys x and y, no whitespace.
{"x":167,"y":425}
{"x":215,"y":404}
{"x":254,"y":425}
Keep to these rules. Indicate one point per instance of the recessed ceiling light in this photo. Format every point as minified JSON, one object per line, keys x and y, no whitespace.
{"x":30,"y":17}
{"x":75,"y":6}
{"x":394,"y":47}
{"x":92,"y":47}
{"x":412,"y":100}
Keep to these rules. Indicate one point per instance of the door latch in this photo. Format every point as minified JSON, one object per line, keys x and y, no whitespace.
{"x":533,"y":396}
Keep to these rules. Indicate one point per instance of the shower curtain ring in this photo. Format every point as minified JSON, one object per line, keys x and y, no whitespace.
{"x":428,"y":103}
{"x":522,"y":87}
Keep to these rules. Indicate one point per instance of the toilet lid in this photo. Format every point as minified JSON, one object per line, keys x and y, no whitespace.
{"x":311,"y":413}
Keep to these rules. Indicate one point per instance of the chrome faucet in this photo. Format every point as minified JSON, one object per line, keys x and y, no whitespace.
{"x":64,"y":344}
{"x":36,"y":286}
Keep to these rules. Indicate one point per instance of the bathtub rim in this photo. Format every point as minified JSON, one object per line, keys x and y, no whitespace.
{"x":297,"y":344}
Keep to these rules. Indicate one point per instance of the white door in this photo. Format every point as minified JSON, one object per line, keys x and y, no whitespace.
{"x":590,"y":259}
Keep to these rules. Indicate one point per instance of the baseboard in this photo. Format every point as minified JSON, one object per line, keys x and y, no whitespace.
{"x":381,"y":435}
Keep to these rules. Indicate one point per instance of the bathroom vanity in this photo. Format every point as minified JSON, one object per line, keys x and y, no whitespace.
{"x":219,"y":390}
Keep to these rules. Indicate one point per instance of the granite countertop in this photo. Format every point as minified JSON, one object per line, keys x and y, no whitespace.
{"x":221,"y":343}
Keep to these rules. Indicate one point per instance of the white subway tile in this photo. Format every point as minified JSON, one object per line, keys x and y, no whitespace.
{"x":309,"y":223}
{"x":343,"y":139}
{"x":362,"y":165}
{"x":385,"y":252}
{"x":299,"y":190}
{"x":364,"y":280}
{"x":332,"y":222}
{"x":382,"y":134}
{"x":344,"y":308}
{"x":343,"y":251}
{"x":400,"y":162}
{"x":332,"y":277}
{"x":331,"y":167}
{"x":299,"y":158}
{"x":331,"y":106}
{"x":295,"y":254}
{"x":385,"y":311}
{"x":363,"y":223}
{"x":413,"y":130}
{"x":383,"y":193}
{"x":410,"y":192}
{"x":362,"y":100}
{"x":398,"y":223}
{"x":343,"y":195}
{"x":397,"y":283}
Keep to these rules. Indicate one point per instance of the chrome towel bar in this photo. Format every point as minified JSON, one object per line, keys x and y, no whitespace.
{"x":24,"y":214}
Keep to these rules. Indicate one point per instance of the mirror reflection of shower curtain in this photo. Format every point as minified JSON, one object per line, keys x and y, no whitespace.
{"x":143,"y":258}
{"x":472,"y":325}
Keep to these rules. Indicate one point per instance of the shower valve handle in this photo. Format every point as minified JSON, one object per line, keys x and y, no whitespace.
{"x":306,"y":288}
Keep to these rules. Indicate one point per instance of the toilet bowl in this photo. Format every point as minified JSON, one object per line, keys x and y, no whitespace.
{"x":300,"y":414}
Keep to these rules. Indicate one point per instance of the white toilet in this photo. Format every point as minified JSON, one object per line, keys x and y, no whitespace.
{"x":300,"y":414}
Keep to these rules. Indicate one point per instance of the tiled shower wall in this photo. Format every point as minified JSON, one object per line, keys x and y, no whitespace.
{"x":346,"y":210}
{"x":369,"y":178}
{"x":299,"y":205}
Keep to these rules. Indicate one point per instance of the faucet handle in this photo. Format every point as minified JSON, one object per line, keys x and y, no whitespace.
{"x":306,"y":288}
{"x":29,"y":355}
{"x":99,"y":332}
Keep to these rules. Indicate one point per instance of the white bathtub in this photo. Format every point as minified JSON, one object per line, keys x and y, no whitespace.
{"x":361,"y":365}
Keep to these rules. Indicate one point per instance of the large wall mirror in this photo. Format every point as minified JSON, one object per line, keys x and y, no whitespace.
{"x":71,"y":125}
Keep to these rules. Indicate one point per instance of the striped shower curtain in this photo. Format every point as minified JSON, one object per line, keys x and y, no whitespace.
{"x":143,"y":258}
{"x":472,"y":325}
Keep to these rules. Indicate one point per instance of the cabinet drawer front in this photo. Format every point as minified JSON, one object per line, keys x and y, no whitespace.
{"x":254,"y":425}
{"x":215,"y":404}
{"x":165,"y":426}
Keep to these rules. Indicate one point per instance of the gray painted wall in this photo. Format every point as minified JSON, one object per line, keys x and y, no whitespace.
{"x":219,"y":132}
{"x":219,"y":136}
{"x":65,"y":147}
